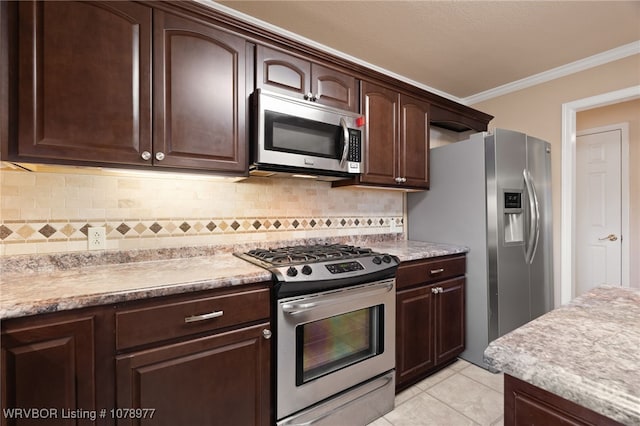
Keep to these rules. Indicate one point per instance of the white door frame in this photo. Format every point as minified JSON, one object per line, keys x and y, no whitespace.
{"x":568,"y":181}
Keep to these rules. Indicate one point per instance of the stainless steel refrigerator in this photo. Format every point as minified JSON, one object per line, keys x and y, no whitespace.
{"x":492,"y":193}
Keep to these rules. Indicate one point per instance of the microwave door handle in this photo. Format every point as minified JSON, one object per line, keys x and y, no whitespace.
{"x":345,"y":135}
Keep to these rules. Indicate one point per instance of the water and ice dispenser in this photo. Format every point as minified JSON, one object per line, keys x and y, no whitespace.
{"x":513,"y":217}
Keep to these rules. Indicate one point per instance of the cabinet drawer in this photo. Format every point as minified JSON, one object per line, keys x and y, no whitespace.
{"x":427,"y":271}
{"x":170,"y":320}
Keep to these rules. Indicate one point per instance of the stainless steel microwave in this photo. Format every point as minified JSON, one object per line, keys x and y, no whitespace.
{"x":295,"y":136}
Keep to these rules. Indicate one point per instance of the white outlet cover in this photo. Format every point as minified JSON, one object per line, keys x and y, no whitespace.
{"x":96,"y":238}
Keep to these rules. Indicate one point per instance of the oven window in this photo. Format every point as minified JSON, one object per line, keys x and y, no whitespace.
{"x":301,"y":136}
{"x":330,"y":344}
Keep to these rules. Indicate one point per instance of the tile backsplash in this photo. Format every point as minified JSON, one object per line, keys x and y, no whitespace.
{"x":44,"y":212}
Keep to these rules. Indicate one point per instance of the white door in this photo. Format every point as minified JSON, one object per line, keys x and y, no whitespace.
{"x":598,"y":210}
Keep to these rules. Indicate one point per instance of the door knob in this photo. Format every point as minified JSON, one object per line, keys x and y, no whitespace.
{"x":610,"y":237}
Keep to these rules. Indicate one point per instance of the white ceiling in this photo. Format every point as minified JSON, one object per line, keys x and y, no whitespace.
{"x":460,"y":49}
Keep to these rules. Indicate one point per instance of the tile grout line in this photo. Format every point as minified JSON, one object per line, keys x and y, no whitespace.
{"x":455,"y":372}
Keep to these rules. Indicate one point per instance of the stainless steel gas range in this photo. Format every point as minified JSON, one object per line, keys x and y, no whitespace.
{"x":334,"y":308}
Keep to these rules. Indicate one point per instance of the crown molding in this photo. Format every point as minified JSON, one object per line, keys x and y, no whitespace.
{"x":615,"y":54}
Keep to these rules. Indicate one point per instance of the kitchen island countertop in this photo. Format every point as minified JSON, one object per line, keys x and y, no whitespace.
{"x":25,"y":291}
{"x":587,"y":352}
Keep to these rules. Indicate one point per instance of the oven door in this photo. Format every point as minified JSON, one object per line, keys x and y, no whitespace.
{"x":304,"y":135}
{"x":332,"y":341}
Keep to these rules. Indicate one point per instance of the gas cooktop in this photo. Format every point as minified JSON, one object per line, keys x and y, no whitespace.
{"x":307,"y":268}
{"x":304,"y":268}
{"x":301,"y":254}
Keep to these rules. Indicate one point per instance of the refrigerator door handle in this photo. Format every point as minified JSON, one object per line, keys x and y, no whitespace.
{"x":534,"y":224}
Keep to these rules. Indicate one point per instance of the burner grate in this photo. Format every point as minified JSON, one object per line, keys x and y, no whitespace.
{"x":301,"y":254}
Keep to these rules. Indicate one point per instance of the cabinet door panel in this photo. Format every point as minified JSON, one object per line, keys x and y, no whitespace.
{"x":449,"y":323}
{"x":335,"y":89}
{"x":84,"y":86}
{"x":414,"y":333}
{"x":216,"y":380}
{"x":414,"y":141}
{"x":200,"y":102}
{"x":280,"y":72}
{"x":49,"y":366}
{"x":380,"y":106}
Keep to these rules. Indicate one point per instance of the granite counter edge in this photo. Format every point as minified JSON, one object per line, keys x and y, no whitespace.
{"x":61,"y":304}
{"x":562,"y":383}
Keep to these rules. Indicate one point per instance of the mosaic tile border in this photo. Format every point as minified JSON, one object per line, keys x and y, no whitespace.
{"x":76,"y":230}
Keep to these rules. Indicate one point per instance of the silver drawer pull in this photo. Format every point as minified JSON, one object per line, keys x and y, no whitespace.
{"x":436,"y":271}
{"x":204,"y":317}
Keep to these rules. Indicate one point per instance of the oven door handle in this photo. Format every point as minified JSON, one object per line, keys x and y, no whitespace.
{"x":304,"y":306}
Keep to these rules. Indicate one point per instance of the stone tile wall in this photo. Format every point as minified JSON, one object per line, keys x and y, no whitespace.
{"x":44,"y":212}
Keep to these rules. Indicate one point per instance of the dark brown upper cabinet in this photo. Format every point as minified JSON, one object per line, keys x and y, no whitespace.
{"x":199,"y":96}
{"x":84,"y":81}
{"x":396,"y":147}
{"x":165,"y":84}
{"x":87,"y":74}
{"x":281,"y":72}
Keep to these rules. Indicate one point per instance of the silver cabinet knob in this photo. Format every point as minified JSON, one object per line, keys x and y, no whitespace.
{"x":146,"y":155}
{"x":434,"y":290}
{"x":316,"y":97}
{"x":159,"y":156}
{"x":266,"y":333}
{"x":398,"y":179}
{"x":309,"y":96}
{"x":440,"y":290}
{"x":404,"y":179}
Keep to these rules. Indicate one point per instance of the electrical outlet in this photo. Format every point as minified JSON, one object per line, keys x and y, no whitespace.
{"x":395,"y":226}
{"x":97,"y":238}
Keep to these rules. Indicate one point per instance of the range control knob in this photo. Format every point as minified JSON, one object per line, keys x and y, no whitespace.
{"x":306,"y":269}
{"x":386,"y":258}
{"x":292,"y":272}
{"x":377,"y":260}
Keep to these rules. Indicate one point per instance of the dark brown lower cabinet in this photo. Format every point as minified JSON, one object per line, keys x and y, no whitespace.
{"x":528,"y":405}
{"x":221,"y":379}
{"x":187,"y":360}
{"x":55,"y":369}
{"x":429,"y":317}
{"x":200,"y":358}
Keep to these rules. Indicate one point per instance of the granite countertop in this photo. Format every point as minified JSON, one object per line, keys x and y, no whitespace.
{"x":49,"y":291}
{"x":587,"y":352}
{"x":36,"y":284}
{"x":416,"y":250}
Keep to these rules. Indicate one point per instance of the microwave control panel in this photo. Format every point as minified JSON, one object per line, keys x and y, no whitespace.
{"x":355,"y":146}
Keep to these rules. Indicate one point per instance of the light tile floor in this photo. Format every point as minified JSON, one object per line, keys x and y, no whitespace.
{"x":461,"y":394}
